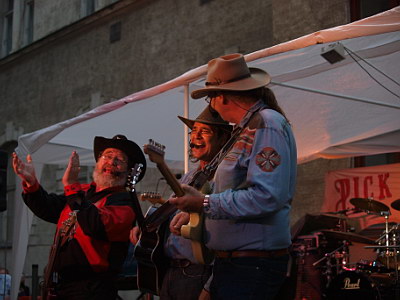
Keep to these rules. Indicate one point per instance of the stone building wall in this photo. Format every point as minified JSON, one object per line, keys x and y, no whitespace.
{"x":70,"y":69}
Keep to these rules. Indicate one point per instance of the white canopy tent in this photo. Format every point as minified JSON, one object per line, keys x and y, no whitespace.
{"x":336,"y":110}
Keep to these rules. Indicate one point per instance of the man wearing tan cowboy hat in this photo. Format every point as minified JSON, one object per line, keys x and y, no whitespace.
{"x":92,"y":255}
{"x":185,"y":277}
{"x":247,"y":214}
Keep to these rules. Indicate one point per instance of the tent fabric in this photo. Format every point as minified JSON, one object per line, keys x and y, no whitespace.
{"x":324,"y":125}
{"x":336,"y":110}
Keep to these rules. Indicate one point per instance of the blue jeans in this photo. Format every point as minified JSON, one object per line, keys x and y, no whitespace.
{"x":184,"y":283}
{"x":248,"y":277}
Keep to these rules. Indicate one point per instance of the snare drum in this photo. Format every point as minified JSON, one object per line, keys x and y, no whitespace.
{"x":353,"y":285}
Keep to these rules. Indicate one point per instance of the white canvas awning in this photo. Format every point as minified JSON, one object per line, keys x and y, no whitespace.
{"x":336,"y":110}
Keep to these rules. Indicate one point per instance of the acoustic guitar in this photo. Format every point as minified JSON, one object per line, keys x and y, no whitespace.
{"x":149,"y":250}
{"x":63,"y":234}
{"x":194,"y":229}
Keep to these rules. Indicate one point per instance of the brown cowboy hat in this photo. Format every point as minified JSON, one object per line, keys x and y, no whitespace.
{"x":131,"y":149}
{"x":231,"y":73}
{"x":208,"y":117}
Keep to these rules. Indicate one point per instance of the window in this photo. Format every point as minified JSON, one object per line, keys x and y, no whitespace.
{"x":360,"y":9}
{"x":376,"y":160}
{"x":115,"y":32}
{"x":29,"y":9}
{"x":8,"y":28}
{"x":88,"y":7}
{"x":6,"y":216}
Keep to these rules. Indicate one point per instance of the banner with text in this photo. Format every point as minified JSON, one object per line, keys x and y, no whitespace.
{"x":379,"y":183}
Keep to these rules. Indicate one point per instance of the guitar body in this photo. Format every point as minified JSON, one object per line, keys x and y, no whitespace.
{"x":194,"y":231}
{"x":152,"y":264}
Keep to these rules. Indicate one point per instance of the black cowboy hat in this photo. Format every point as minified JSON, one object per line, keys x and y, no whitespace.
{"x":131,"y":149}
{"x":208,"y":117}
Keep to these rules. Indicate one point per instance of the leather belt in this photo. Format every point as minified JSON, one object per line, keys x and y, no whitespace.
{"x":180,"y":263}
{"x":252,"y":253}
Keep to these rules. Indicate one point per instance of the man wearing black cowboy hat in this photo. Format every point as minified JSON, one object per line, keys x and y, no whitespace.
{"x":247,"y":214}
{"x":185,"y":278}
{"x":91,"y":256}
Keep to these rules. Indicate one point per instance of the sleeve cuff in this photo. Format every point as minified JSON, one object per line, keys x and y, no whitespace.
{"x":30,"y":189}
{"x":72,"y":189}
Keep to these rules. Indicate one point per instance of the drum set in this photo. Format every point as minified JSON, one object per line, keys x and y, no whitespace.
{"x":349,"y":265}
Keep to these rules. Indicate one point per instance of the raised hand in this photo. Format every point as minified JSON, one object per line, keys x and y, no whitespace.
{"x":72,"y":172}
{"x":177,"y":221}
{"x":25,"y":170}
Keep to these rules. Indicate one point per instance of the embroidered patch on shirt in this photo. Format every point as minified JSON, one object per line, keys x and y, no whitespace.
{"x":268,"y":159}
{"x":243,"y":145}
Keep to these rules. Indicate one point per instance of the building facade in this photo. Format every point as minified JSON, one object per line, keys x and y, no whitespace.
{"x":59,"y":59}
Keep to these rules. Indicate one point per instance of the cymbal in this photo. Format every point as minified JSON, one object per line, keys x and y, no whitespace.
{"x":353,"y":237}
{"x":334,"y":215}
{"x":396,"y":204}
{"x":369,"y":205}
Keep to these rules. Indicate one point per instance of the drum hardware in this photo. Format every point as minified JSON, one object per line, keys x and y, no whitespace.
{"x":388,"y":246}
{"x":306,"y":243}
{"x":391,"y":246}
{"x":359,"y":285}
{"x":340,"y":255}
{"x":371,"y":267}
{"x":306,"y":249}
{"x":349,"y":236}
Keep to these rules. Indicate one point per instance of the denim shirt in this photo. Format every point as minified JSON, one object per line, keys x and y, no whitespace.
{"x":178,"y":247}
{"x":254,"y":185}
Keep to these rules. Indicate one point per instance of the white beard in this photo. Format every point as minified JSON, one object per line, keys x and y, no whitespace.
{"x":108,"y":180}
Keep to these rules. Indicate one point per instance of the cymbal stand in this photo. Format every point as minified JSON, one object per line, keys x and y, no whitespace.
{"x":386,"y":235}
{"x":395,"y":248}
{"x":343,"y":249}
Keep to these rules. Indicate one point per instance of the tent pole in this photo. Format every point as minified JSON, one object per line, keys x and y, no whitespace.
{"x":186,"y":130}
{"x":335,"y":95}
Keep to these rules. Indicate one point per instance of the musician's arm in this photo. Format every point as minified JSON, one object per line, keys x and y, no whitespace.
{"x":181,"y":218}
{"x":46,"y":206}
{"x":111,"y":222}
{"x":134,"y":235}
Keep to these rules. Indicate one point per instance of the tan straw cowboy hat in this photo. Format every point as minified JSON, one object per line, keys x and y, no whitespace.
{"x":231,"y":73}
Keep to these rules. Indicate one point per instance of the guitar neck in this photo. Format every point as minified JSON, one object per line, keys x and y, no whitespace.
{"x":171,"y":179}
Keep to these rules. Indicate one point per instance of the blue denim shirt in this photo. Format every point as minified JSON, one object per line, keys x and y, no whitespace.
{"x":254,"y":186}
{"x":178,"y":247}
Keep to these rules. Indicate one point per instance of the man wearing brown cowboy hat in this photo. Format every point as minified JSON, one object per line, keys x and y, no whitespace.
{"x":92,"y":254}
{"x":247,"y":214}
{"x":186,"y":277}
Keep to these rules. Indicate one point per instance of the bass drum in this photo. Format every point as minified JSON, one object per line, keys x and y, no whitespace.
{"x":351,"y":285}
